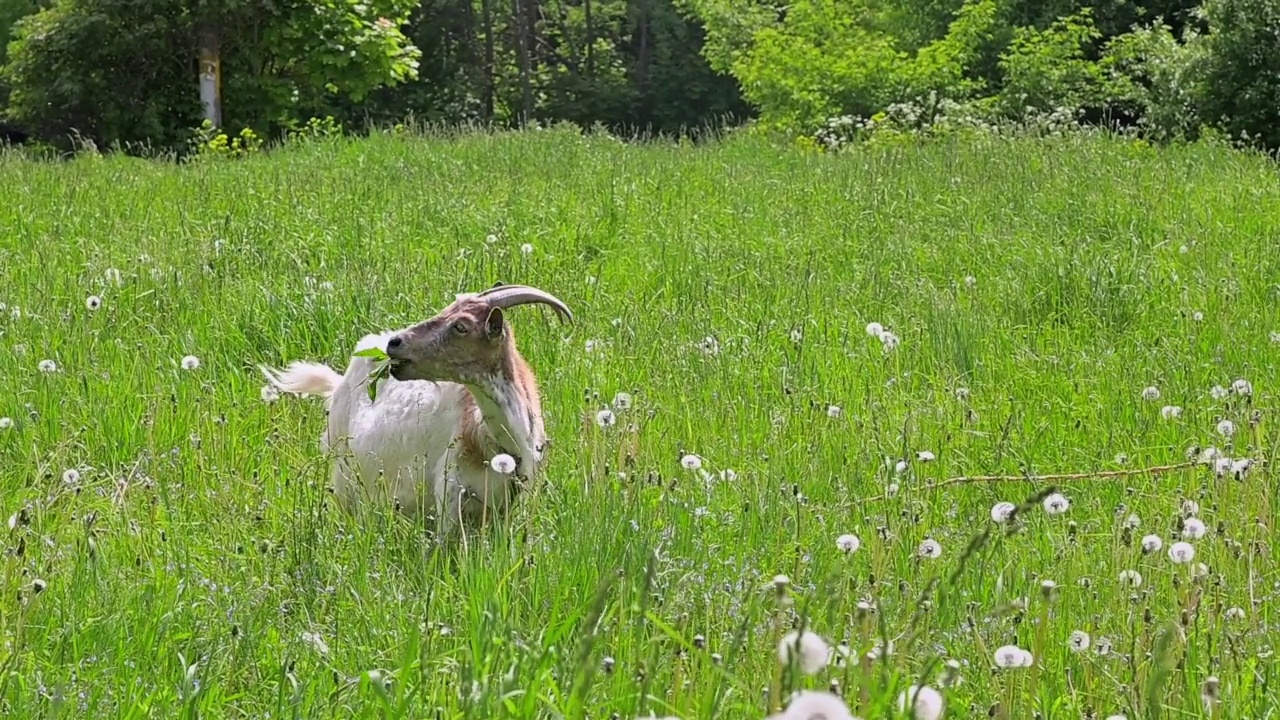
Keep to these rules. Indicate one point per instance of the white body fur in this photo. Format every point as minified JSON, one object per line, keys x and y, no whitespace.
{"x":402,"y":448}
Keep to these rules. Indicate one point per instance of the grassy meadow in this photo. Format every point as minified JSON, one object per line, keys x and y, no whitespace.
{"x":172,"y":550}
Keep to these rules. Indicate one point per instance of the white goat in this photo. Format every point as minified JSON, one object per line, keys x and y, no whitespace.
{"x":459,"y":395}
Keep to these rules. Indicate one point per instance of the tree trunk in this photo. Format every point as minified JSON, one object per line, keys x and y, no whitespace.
{"x":487,"y":10}
{"x":210,"y":75}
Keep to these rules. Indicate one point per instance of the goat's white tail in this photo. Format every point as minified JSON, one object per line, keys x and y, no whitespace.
{"x":304,"y":378}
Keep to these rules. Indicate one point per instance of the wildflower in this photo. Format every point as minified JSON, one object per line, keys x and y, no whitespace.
{"x":1151,"y":393}
{"x":1200,"y":571}
{"x":962,"y":394}
{"x":929,"y":549}
{"x":1151,"y":543}
{"x":892,"y":490}
{"x":1240,"y":468}
{"x":6,"y":423}
{"x":503,"y":463}
{"x":889,"y":341}
{"x":1235,"y":613}
{"x":925,"y":456}
{"x":47,"y":366}
{"x":591,"y":345}
{"x":1222,"y":465}
{"x":1121,"y":717}
{"x":926,"y":703}
{"x":93,"y":302}
{"x":780,"y":582}
{"x":1190,"y":507}
{"x":875,"y":329}
{"x":39,"y":585}
{"x":1217,"y":392}
{"x":606,"y":418}
{"x":1170,"y":412}
{"x":1197,"y":316}
{"x":112,"y":276}
{"x":691,"y":462}
{"x":607,"y":664}
{"x":316,"y":642}
{"x":834,"y":411}
{"x":1056,"y":504}
{"x":970,"y":281}
{"x":71,"y":476}
{"x":1209,"y":691}
{"x":1133,"y":521}
{"x":1181,"y":552}
{"x":815,"y":705}
{"x":269,"y":393}
{"x":1241,"y":387}
{"x":807,"y":649}
{"x":848,"y":543}
{"x":1012,"y":656}
{"x":1079,"y":641}
{"x":1226,"y":428}
{"x":1048,"y":589}
{"x":190,"y":362}
{"x":622,"y":401}
{"x":1130,"y":578}
{"x":950,"y":674}
{"x":1193,"y":528}
{"x":490,"y":238}
{"x":1102,"y":647}
{"x":900,"y":467}
{"x":526,"y":249}
{"x":1275,"y":337}
{"x":728,"y":475}
{"x":1002,"y":511}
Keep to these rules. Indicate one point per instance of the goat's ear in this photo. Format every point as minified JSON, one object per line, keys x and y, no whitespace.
{"x":495,"y":325}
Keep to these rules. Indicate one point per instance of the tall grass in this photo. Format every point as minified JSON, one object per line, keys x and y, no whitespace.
{"x":194,"y":565}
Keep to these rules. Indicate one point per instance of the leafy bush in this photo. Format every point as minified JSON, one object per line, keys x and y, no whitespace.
{"x":1241,"y":80}
{"x":1158,"y":79}
{"x":1047,"y":69}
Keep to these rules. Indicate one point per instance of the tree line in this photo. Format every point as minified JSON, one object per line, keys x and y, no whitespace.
{"x":124,"y":72}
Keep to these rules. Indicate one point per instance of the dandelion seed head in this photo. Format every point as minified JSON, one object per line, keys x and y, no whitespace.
{"x":875,"y":329}
{"x":889,"y":341}
{"x":900,"y":467}
{"x":71,"y":476}
{"x":47,"y":366}
{"x":1002,"y":511}
{"x":834,"y":411}
{"x":1226,"y":428}
{"x":815,"y":705}
{"x":926,"y":703}
{"x":962,"y":394}
{"x":1222,"y":465}
{"x":39,"y":585}
{"x":691,"y":462}
{"x":1056,"y":504}
{"x":1151,"y":543}
{"x":807,"y":649}
{"x":93,"y":302}
{"x":1133,"y":522}
{"x":1193,"y":528}
{"x":316,"y":642}
{"x":269,"y":393}
{"x":1079,"y":641}
{"x":1242,"y":387}
{"x":606,"y":419}
{"x":6,"y":423}
{"x":848,"y":543}
{"x":1197,"y":316}
{"x":1151,"y":393}
{"x":1240,"y":468}
{"x":925,"y":456}
{"x":1009,"y":656}
{"x":1217,"y":392}
{"x":526,"y":249}
{"x":929,"y":549}
{"x":1275,"y":337}
{"x":503,"y":463}
{"x":1171,"y":412}
{"x":1189,"y":507}
{"x":1182,"y":552}
{"x":1102,"y":646}
{"x":1235,"y":613}
{"x":1130,"y":578}
{"x":190,"y":362}
{"x":622,"y":401}
{"x":112,"y":276}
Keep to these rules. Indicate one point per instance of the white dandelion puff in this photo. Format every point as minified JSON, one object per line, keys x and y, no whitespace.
{"x":926,"y":703}
{"x":1189,"y":507}
{"x":1133,"y":522}
{"x":1240,"y":468}
{"x":875,"y":329}
{"x":190,"y":362}
{"x":503,"y":463}
{"x":93,"y":302}
{"x":1131,"y":578}
{"x":1217,"y":392}
{"x":1275,"y":337}
{"x":1151,"y":393}
{"x":1242,"y":387}
{"x":1226,"y":428}
{"x":1079,"y":641}
{"x":1002,"y":511}
{"x":900,"y":467}
{"x":1171,"y":412}
{"x":807,"y":649}
{"x":848,"y":543}
{"x":728,"y":475}
{"x":815,"y":705}
{"x":1151,"y":543}
{"x":1103,"y":646}
{"x":526,"y":249}
{"x":71,"y":476}
{"x":1182,"y":552}
{"x":962,"y":394}
{"x":1235,"y":613}
{"x":1056,"y":504}
{"x":112,"y":276}
{"x":1222,"y":465}
{"x":834,"y":411}
{"x":269,"y":393}
{"x":1193,"y":528}
{"x":1121,"y":717}
{"x":39,"y":585}
{"x":889,"y":341}
{"x":316,"y":642}
{"x":1197,"y":316}
{"x":6,"y":423}
{"x":925,"y":456}
{"x":691,"y":462}
{"x":606,"y":419}
{"x":47,"y":366}
{"x":622,"y":401}
{"x":1009,"y":656}
{"x":929,"y":549}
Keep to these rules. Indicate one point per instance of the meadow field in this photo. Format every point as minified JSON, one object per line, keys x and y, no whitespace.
{"x":1045,"y":306}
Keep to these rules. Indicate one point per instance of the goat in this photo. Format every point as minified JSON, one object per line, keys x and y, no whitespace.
{"x":459,"y":395}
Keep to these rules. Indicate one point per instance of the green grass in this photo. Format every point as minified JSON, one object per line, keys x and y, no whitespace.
{"x":200,"y":532}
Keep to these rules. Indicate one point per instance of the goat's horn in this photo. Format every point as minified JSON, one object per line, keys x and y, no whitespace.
{"x":505,"y":296}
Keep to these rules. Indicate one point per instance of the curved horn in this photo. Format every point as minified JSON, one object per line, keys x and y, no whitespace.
{"x":505,"y":296}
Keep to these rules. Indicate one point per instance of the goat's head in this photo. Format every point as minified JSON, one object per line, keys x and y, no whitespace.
{"x":467,"y":341}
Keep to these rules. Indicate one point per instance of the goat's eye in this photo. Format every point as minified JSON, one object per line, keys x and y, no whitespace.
{"x":460,"y":328}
